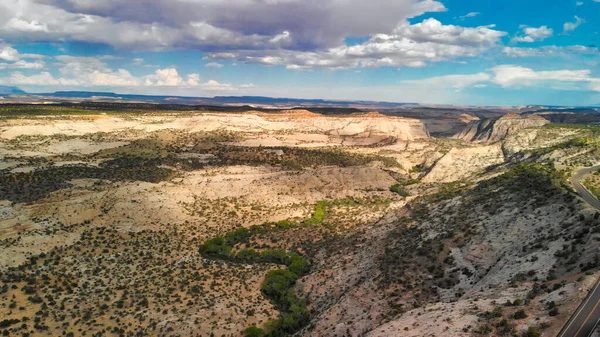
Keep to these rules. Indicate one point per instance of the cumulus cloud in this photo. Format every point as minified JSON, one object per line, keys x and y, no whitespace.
{"x":511,"y":75}
{"x":15,"y":60}
{"x":571,"y":26}
{"x":94,"y":72}
{"x":299,"y":34}
{"x":532,"y":34}
{"x":164,"y":78}
{"x":8,"y":53}
{"x":205,"y":24}
{"x":407,"y":45}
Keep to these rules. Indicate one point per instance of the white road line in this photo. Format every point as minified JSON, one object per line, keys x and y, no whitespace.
{"x":575,"y":181}
{"x":593,"y":329}
{"x":591,"y":294}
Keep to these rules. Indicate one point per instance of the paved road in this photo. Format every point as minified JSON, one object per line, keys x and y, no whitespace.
{"x":587,"y":316}
{"x":583,"y":192}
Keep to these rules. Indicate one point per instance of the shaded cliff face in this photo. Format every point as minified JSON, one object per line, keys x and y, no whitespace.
{"x":493,"y":130}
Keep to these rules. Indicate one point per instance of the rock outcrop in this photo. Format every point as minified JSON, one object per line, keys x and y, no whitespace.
{"x":461,"y":163}
{"x":493,"y":130}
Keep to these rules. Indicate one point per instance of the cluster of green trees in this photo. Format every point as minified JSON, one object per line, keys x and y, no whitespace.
{"x":279,"y":284}
{"x":593,"y":128}
{"x":293,"y":158}
{"x":578,"y":142}
{"x":533,"y":177}
{"x":592,"y":187}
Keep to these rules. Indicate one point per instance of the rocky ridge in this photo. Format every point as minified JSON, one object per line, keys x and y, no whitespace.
{"x":496,"y":129}
{"x":373,"y":124}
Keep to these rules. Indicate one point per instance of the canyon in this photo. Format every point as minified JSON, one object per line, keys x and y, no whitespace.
{"x":158,"y":222}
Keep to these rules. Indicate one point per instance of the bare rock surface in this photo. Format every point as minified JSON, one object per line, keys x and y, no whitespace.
{"x":493,"y":130}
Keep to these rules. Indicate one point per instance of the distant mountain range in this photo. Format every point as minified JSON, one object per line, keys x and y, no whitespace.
{"x":219,"y":100}
{"x":6,"y":90}
{"x":258,"y":101}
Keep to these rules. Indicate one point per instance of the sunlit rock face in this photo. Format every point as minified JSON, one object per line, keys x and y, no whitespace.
{"x":493,"y":130}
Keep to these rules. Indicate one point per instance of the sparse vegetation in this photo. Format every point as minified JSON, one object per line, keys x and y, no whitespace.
{"x":150,"y":233}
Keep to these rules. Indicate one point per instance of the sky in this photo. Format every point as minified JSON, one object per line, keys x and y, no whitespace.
{"x":464,"y":52}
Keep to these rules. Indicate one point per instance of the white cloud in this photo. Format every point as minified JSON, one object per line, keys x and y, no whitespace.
{"x":193,"y":80}
{"x":42,"y":79}
{"x":213,"y":85}
{"x":94,"y":72}
{"x":408,"y":45}
{"x":469,"y":15}
{"x":296,"y":33}
{"x":205,"y":24}
{"x":15,"y":60}
{"x":80,"y":65}
{"x":450,"y":81}
{"x":22,"y":65}
{"x":168,"y":77}
{"x":511,"y":75}
{"x":571,"y":26}
{"x":20,"y":25}
{"x":283,"y":38}
{"x":214,"y":65}
{"x":534,"y":34}
{"x":119,"y":78}
{"x":8,"y":53}
{"x":579,"y":3}
{"x":138,"y":61}
{"x":560,"y":51}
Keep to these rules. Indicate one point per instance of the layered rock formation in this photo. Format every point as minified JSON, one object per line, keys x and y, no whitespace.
{"x":367,"y":125}
{"x":493,"y":130}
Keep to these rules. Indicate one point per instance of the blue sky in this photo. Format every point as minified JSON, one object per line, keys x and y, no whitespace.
{"x":471,"y":52}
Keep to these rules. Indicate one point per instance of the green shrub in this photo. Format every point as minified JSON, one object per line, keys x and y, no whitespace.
{"x":8,"y":322}
{"x":318,"y":214}
{"x":254,"y":332}
{"x":531,"y":332}
{"x":398,"y":189}
{"x":520,"y":314}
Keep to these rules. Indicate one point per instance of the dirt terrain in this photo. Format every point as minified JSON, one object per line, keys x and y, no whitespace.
{"x":290,"y":222}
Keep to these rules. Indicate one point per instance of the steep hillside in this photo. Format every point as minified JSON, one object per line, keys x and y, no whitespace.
{"x":493,"y":130}
{"x":451,"y":265}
